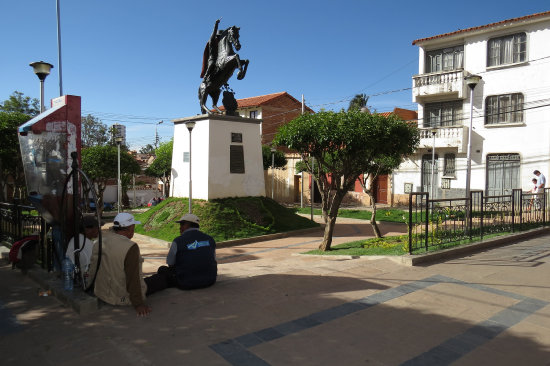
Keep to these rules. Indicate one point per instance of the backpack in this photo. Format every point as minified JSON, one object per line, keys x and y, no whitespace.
{"x":24,"y":252}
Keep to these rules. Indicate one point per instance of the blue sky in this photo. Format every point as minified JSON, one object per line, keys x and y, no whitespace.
{"x":138,"y":62}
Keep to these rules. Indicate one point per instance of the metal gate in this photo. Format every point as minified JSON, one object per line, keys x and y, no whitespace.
{"x":427,"y":174}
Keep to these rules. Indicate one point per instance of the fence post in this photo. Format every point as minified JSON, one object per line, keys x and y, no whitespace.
{"x":410,"y":222}
{"x":17,"y":214}
{"x":469,"y":218}
{"x":427,"y":230}
{"x":544,"y":192}
{"x":482,"y":214}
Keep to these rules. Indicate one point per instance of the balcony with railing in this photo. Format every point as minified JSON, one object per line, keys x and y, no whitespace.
{"x":439,"y":85}
{"x":456,"y":137}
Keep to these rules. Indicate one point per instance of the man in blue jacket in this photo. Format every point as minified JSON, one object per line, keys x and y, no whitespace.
{"x":191,"y":260}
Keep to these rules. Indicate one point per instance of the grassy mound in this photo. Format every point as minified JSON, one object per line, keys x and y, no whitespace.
{"x":223,"y":219}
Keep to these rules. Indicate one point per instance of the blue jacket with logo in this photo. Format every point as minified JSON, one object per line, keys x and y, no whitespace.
{"x":195,"y":259}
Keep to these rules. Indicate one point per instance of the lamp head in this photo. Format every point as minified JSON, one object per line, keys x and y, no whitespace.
{"x":190,"y":125}
{"x":41,"y":69}
{"x":118,"y":140}
{"x":472,"y":80}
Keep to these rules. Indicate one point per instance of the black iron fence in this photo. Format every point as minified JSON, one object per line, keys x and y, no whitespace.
{"x":19,"y":221}
{"x":441,"y":223}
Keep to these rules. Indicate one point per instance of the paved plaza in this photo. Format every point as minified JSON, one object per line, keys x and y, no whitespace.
{"x":273,"y":306}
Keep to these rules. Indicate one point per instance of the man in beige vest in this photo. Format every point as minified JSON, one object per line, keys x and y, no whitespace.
{"x":119,"y":279}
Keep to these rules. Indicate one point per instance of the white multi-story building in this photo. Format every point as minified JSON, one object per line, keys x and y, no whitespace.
{"x":510,"y":135}
{"x":120,"y":131}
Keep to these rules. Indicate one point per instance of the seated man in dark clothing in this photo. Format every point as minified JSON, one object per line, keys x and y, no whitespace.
{"x":191,"y":260}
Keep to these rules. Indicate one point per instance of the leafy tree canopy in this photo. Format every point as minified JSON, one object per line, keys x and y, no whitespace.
{"x":94,"y":132}
{"x":100,"y":163}
{"x":10,"y":157}
{"x":163,"y":162}
{"x":17,"y":102}
{"x":345,"y":145}
{"x":280,"y":159}
{"x":359,"y":102}
{"x":148,"y":149}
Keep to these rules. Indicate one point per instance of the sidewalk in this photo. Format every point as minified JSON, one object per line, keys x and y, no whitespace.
{"x":272,"y":306}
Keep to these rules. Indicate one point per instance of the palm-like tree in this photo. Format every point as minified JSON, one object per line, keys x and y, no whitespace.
{"x":359,"y":101}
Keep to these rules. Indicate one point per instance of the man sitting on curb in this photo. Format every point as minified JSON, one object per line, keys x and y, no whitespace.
{"x":191,"y":260}
{"x":119,"y":280}
{"x":89,"y":231}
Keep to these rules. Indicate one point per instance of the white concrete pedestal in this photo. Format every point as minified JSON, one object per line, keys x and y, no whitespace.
{"x":217,"y":141}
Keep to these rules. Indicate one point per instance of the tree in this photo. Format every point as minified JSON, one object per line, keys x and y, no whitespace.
{"x":148,"y":149}
{"x":17,"y":102}
{"x":280,"y":159}
{"x":162,"y":166}
{"x":11,"y":166}
{"x":344,"y":146}
{"x":94,"y":132}
{"x":100,"y":163}
{"x":359,"y":102}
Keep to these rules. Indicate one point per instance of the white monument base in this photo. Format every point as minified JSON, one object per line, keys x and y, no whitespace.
{"x":226,"y":157}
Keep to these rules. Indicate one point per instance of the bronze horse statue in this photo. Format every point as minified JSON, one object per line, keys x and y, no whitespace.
{"x":219,"y":63}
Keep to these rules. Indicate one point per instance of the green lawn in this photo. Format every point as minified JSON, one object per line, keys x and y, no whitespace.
{"x":388,"y":215}
{"x":390,"y":245}
{"x":223,"y":219}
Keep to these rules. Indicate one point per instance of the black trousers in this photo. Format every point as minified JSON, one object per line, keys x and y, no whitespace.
{"x":164,"y":278}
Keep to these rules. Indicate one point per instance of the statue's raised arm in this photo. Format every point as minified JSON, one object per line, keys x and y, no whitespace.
{"x":219,"y":63}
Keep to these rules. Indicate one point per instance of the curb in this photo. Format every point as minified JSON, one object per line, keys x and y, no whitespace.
{"x":451,"y":253}
{"x":80,"y":301}
{"x":445,"y":254}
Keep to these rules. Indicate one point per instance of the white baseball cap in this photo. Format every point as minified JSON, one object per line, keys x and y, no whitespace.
{"x":124,"y":219}
{"x":189,"y":218}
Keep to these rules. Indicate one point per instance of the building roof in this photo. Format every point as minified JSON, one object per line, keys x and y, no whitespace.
{"x":264,"y":99}
{"x":404,"y":114}
{"x":483,"y":27}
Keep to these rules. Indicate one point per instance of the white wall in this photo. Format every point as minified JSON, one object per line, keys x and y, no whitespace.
{"x":211,"y":140}
{"x":530,"y":139}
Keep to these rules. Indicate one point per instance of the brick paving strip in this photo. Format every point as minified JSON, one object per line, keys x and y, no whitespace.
{"x":236,"y":350}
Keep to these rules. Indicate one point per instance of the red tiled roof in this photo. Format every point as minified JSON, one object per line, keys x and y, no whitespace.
{"x":263,"y":99}
{"x":404,"y":114}
{"x":503,"y":22}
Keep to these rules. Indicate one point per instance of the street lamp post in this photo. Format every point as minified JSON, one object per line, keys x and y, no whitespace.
{"x":190,"y":126}
{"x":434,"y":132}
{"x":118,"y":141}
{"x":272,"y":170}
{"x":471,"y":81}
{"x":41,"y":69}
{"x":156,"y":134}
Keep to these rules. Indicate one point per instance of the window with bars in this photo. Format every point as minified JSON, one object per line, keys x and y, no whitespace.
{"x":445,"y":114}
{"x":449,"y":165}
{"x":445,"y":59}
{"x":507,"y":50}
{"x":506,"y":108}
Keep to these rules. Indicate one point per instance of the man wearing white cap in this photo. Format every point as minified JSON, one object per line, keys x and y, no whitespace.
{"x":119,"y":280}
{"x":191,"y":260}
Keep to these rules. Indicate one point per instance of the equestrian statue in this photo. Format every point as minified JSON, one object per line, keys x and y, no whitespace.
{"x":218,"y":64}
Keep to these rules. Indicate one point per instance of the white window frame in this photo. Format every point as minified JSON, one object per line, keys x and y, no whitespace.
{"x":445,"y":59}
{"x":507,"y":50}
{"x":504,"y":109}
{"x":443,"y":114}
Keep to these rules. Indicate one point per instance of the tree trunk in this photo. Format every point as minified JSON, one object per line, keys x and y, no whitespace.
{"x":327,"y":238}
{"x":373,"y":223}
{"x":330,"y":216}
